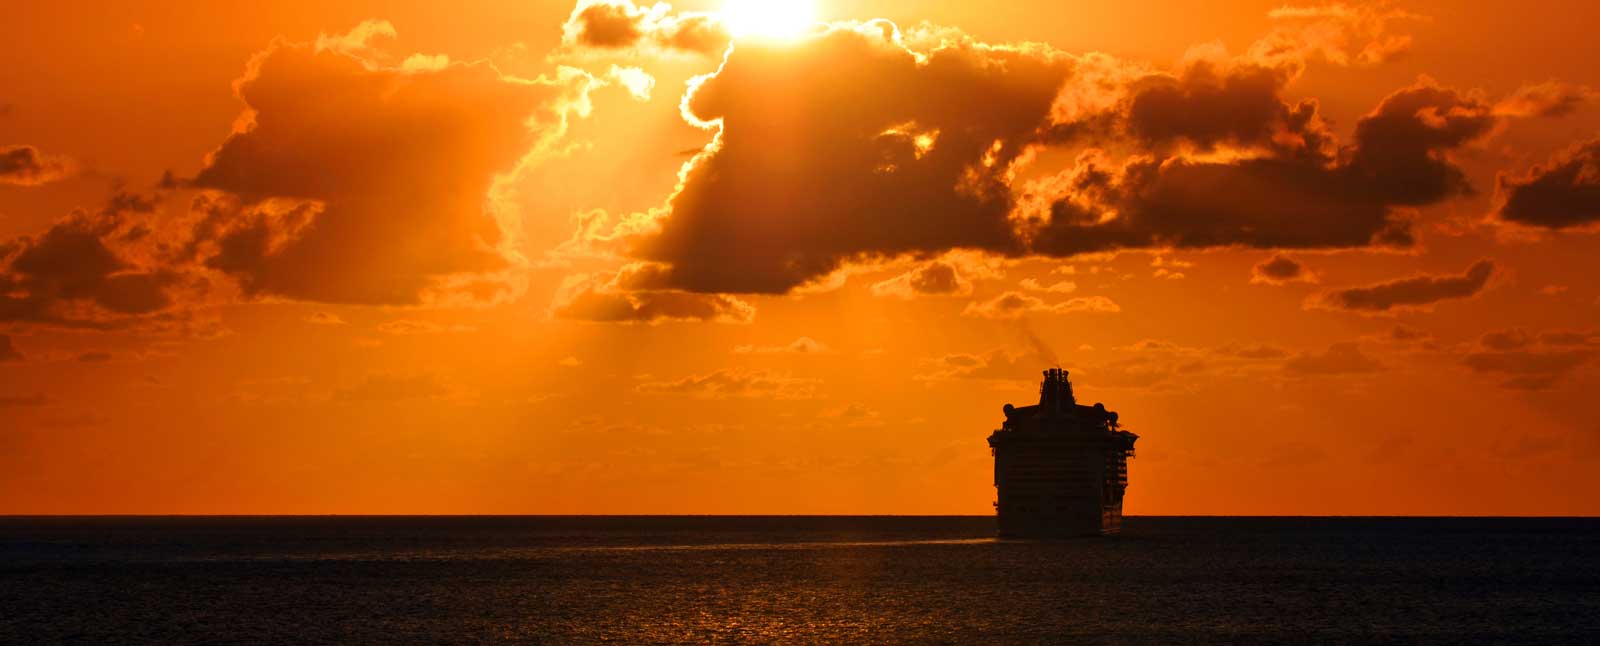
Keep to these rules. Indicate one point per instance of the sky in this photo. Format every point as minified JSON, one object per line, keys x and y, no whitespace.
{"x":791,"y":258}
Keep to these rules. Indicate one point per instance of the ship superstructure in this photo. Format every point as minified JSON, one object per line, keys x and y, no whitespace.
{"x":1060,"y":469}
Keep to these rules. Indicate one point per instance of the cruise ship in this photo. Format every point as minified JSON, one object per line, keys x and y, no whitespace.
{"x":1060,"y":469}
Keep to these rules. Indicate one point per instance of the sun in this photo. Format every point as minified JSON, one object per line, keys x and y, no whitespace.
{"x":769,"y":19}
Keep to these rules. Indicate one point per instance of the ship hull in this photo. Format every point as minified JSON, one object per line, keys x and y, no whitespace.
{"x":1089,"y":522}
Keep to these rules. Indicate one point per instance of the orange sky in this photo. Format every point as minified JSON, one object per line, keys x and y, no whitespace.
{"x":526,"y":257}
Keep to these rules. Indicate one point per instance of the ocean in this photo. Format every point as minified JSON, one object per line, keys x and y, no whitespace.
{"x":785,"y":580}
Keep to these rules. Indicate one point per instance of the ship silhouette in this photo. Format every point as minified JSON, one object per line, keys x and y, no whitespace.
{"x":1060,"y":469}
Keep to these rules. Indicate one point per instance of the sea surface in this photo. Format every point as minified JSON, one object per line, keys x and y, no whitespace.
{"x":846,"y":580}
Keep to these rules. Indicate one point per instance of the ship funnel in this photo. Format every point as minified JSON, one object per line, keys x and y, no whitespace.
{"x":1055,"y":394}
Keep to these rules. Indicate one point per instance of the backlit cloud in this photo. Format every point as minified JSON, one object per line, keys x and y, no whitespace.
{"x":881,"y":151}
{"x":356,"y":181}
{"x":937,"y":278}
{"x":602,"y":301}
{"x":1290,"y":188}
{"x":621,"y":25}
{"x":1549,"y":99}
{"x":884,"y":152}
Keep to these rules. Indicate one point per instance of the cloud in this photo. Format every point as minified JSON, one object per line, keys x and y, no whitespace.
{"x":352,"y":180}
{"x":622,"y":26}
{"x":1407,"y":293}
{"x":802,"y":345}
{"x":910,"y":144}
{"x":1563,"y":338}
{"x":1336,"y":32}
{"x":1280,"y":270}
{"x":1285,"y":184}
{"x":1529,"y":370}
{"x":880,"y":151}
{"x":1258,"y":352}
{"x":638,"y":82}
{"x":1407,"y":334}
{"x":25,"y":166}
{"x":1506,"y":340}
{"x":587,"y":298}
{"x":854,"y":415}
{"x":1549,"y":99}
{"x":996,"y":364}
{"x":407,"y":327}
{"x":1532,"y":362}
{"x":724,"y":384}
{"x":1161,"y":365}
{"x":1563,"y":194}
{"x":95,"y":357}
{"x":1338,"y":359}
{"x":8,"y":352}
{"x":1013,"y":304}
{"x":1059,"y":287}
{"x":324,"y":318}
{"x":89,"y":271}
{"x":937,"y":278}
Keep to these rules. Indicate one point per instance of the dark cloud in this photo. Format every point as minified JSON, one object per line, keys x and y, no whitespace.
{"x":25,"y":166}
{"x":1280,"y":270}
{"x":1338,"y":359}
{"x":353,"y":181}
{"x":876,"y":153}
{"x":1562,"y":194}
{"x":1414,"y":292}
{"x":936,"y":278}
{"x":1292,"y":189}
{"x":95,"y":357}
{"x":623,"y":25}
{"x":82,"y":272}
{"x":1208,"y":107}
{"x":8,"y":352}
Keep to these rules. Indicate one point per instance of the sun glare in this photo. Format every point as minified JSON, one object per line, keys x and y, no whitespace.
{"x":769,"y":19}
